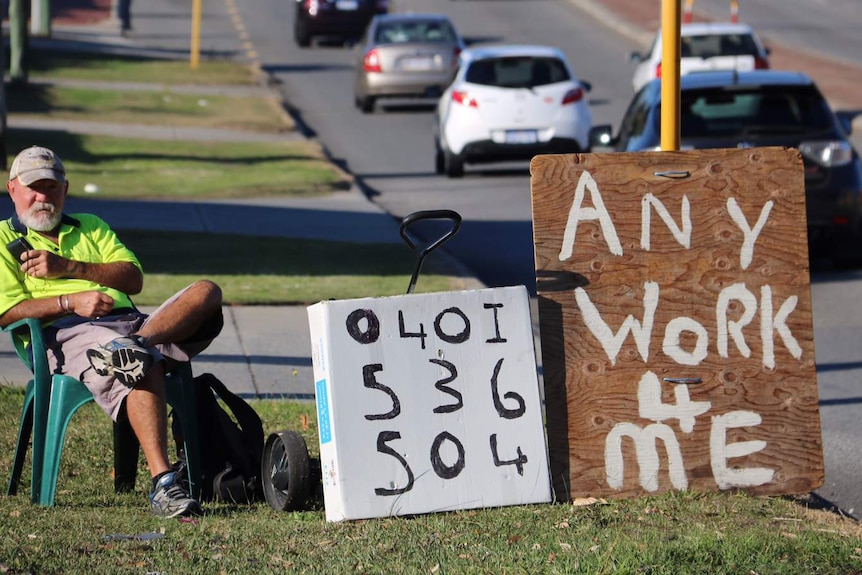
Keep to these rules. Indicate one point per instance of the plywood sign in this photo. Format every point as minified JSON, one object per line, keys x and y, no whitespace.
{"x":428,"y":402}
{"x":675,"y":315}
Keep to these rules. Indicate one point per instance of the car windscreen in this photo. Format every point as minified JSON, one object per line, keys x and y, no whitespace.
{"x":517,"y":72}
{"x":723,"y":112}
{"x":415,"y":31}
{"x":711,"y":45}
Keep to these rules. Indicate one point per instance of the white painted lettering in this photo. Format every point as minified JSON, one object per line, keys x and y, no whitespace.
{"x":734,"y":328}
{"x":646,"y":454}
{"x":720,"y":452}
{"x":746,"y":253}
{"x":671,"y":347}
{"x":598,"y":212}
{"x":770,"y":324}
{"x":651,"y":407}
{"x":683,"y":236}
{"x":611,"y":342}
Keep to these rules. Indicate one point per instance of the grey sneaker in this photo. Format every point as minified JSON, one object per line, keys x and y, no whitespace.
{"x":170,"y":498}
{"x":125,"y":358}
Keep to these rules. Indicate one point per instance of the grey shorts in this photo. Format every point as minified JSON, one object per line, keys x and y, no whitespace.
{"x":68,"y":341}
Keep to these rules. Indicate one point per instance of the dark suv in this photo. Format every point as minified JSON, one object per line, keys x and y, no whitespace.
{"x":344,"y":19}
{"x":762,"y":108}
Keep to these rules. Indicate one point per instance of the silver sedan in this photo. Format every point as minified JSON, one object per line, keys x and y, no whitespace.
{"x":405,"y":56}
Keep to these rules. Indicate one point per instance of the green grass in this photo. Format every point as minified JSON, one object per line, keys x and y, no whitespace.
{"x":147,"y":169}
{"x":115,"y":68}
{"x":260,"y":270}
{"x":682,"y":533}
{"x":155,"y":108}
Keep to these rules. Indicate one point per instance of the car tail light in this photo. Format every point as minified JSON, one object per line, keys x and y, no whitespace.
{"x":572,"y":96}
{"x":311,"y":6}
{"x":761,"y":63}
{"x":658,"y":70}
{"x":371,"y":62}
{"x":465,"y":99}
{"x":828,"y":153}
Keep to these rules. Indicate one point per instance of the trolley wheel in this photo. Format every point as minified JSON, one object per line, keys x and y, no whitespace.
{"x":286,"y":471}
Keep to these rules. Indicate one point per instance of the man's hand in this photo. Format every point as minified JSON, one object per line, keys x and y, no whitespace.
{"x":90,"y":304}
{"x":93,"y":304}
{"x":44,"y":264}
{"x":122,"y":276}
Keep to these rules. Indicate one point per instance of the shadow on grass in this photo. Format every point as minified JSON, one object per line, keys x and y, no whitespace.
{"x":28,"y":99}
{"x":195,"y":253}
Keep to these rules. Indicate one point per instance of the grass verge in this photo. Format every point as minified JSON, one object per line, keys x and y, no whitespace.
{"x":159,"y":107}
{"x":94,"y":530}
{"x":132,"y":168}
{"x":265,"y":270}
{"x":44,"y":63}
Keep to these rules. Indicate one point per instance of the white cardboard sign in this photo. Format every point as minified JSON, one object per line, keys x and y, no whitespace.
{"x":428,"y":402}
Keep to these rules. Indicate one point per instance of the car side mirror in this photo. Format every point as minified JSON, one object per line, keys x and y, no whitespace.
{"x":845,"y":118}
{"x":587,"y":86}
{"x":636,"y":57}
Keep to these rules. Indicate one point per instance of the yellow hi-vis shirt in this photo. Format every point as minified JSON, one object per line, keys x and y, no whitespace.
{"x":83,"y":237}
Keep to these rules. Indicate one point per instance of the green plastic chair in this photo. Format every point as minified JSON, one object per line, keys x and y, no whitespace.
{"x":50,"y":400}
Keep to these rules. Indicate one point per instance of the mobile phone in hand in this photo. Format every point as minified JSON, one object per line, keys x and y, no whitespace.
{"x":18,"y":246}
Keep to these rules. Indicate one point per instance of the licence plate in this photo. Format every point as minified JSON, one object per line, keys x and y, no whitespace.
{"x":347,"y":5}
{"x":417,"y":63}
{"x":521,"y":137}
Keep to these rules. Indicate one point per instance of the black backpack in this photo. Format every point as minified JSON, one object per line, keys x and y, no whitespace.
{"x":231,"y":451}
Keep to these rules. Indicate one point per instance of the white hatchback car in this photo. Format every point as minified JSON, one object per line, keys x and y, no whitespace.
{"x":510,"y":103}
{"x":705,"y":46}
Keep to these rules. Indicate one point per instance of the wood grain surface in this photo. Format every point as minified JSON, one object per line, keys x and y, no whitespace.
{"x":727,"y":305}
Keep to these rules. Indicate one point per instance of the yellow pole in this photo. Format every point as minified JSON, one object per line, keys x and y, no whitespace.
{"x":196,"y":34}
{"x":670,"y":47}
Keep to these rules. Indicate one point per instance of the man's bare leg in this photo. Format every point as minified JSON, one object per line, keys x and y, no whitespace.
{"x":174,"y":322}
{"x":147,"y":411}
{"x":146,"y":404}
{"x":182,"y":318}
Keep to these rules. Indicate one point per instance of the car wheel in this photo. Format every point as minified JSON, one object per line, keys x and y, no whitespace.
{"x":365,"y":104}
{"x":439,"y":164}
{"x":286,"y":471}
{"x":453,"y":164}
{"x":302,"y":37}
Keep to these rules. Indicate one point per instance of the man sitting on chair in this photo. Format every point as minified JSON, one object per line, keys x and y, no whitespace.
{"x":76,"y":280}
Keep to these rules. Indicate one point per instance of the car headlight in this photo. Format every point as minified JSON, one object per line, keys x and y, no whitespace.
{"x":827,"y":153}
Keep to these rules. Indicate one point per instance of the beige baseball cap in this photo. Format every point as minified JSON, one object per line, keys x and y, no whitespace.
{"x":37,"y":163}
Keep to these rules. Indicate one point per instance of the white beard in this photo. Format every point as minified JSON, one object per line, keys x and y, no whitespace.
{"x":41,"y":217}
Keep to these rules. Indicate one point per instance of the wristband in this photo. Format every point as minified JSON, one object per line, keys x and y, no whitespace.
{"x":60,"y":303}
{"x":68,"y":307}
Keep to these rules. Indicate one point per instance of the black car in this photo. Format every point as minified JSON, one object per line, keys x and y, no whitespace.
{"x":344,"y":19}
{"x":762,"y":108}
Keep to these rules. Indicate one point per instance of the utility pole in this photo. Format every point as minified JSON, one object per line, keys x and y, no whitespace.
{"x":195,"y":55}
{"x":3,"y":162}
{"x":17,"y":41}
{"x":40,"y":20}
{"x":670,"y":39}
